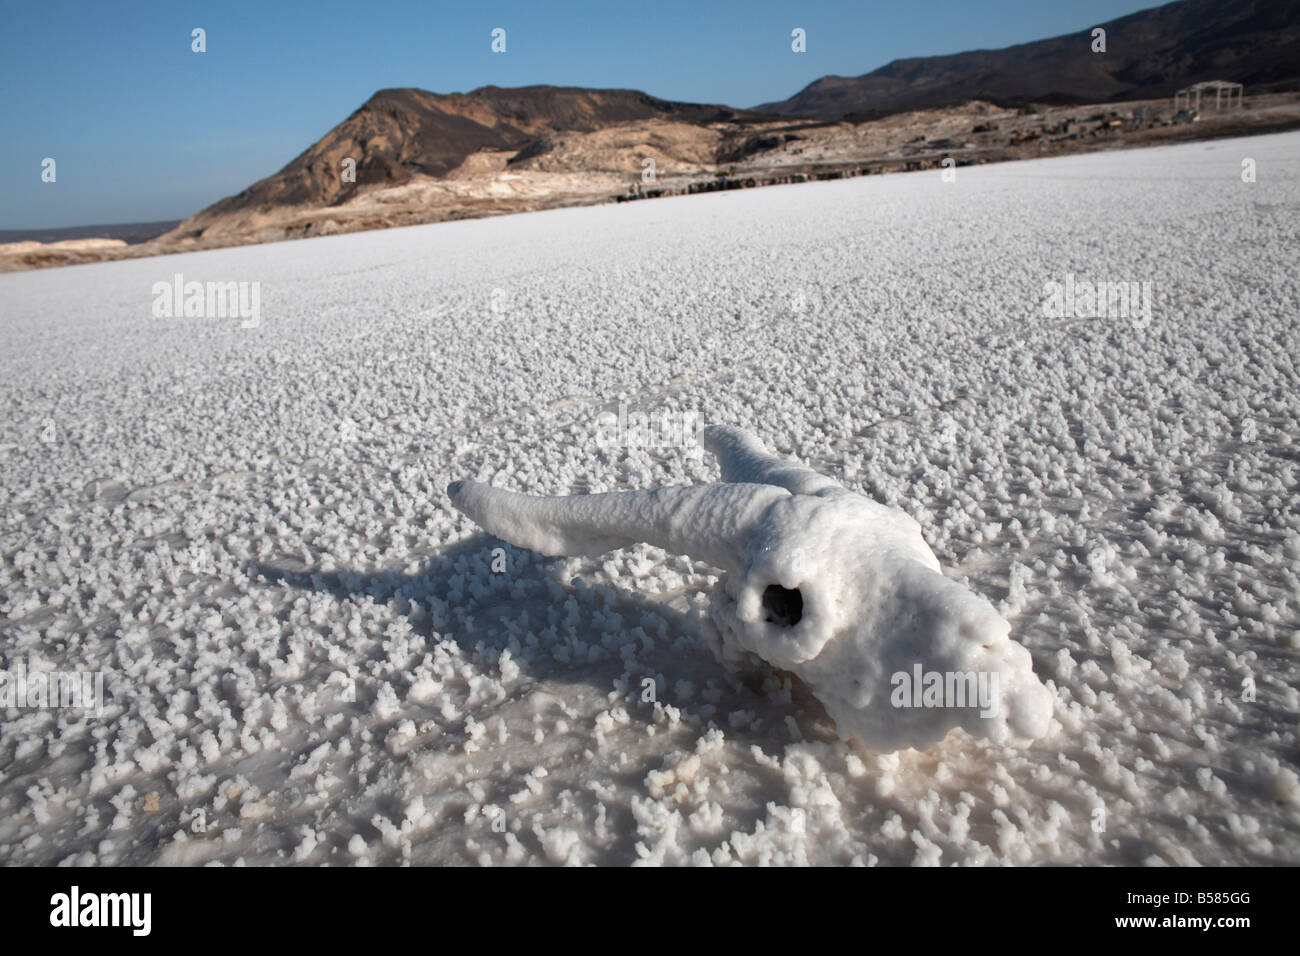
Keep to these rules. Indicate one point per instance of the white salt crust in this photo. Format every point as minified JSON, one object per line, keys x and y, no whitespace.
{"x":310,"y":658}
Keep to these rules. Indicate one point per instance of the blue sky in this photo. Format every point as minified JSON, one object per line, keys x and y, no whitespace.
{"x":142,"y":128}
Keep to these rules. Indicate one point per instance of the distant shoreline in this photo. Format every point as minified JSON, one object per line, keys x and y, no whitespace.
{"x":975,"y":134}
{"x":132,"y":233}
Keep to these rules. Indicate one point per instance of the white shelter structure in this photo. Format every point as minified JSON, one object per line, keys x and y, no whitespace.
{"x":1218,"y":87}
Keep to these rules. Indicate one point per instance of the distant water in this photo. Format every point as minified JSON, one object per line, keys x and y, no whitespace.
{"x":131,"y":232}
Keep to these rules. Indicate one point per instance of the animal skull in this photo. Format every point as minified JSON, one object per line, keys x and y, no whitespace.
{"x":824,"y":583}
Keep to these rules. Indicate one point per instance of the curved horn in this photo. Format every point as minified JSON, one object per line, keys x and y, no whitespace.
{"x":743,"y":458}
{"x":708,"y":522}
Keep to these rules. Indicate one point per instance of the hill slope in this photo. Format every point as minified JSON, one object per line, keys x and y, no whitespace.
{"x":1148,"y":54}
{"x":401,"y":134}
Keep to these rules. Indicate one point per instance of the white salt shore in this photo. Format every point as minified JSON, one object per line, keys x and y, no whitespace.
{"x":310,"y":656}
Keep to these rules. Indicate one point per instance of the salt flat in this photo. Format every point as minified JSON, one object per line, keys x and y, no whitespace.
{"x":309,"y":657}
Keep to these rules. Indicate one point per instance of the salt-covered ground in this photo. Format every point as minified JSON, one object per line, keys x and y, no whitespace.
{"x":309,"y":657}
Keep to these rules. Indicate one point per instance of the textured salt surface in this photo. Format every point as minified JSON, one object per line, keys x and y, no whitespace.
{"x":308,"y":656}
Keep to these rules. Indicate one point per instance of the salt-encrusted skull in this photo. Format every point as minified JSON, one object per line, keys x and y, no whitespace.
{"x":824,"y":583}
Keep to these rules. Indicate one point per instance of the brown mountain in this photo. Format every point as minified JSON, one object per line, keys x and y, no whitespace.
{"x":401,"y":135}
{"x":426,"y":157}
{"x":1148,"y":54}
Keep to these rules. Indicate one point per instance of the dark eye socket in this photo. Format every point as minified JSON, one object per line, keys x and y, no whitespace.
{"x":784,"y":606}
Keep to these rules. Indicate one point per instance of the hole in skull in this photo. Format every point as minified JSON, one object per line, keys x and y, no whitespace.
{"x":784,"y":606}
